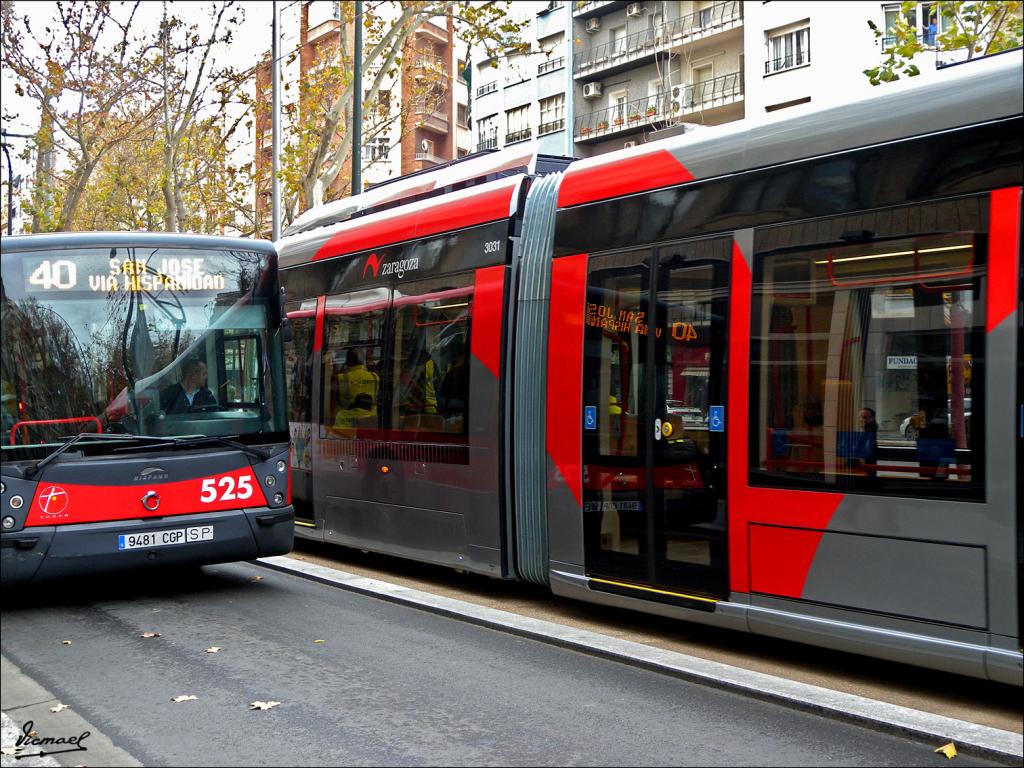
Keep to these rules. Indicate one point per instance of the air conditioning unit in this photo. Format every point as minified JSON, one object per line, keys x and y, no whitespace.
{"x":591,"y":90}
{"x":628,"y":144}
{"x":594,"y":24}
{"x":678,"y":96}
{"x":634,"y":9}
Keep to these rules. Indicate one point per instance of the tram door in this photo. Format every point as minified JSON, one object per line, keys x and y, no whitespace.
{"x":654,"y":440}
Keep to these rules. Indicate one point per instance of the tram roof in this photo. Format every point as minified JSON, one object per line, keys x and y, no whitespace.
{"x":458,"y":174}
{"x":965,"y":94}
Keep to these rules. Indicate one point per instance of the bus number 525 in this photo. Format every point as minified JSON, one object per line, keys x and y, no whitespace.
{"x":228,"y":491}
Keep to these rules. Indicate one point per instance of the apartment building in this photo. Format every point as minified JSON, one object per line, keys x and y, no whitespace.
{"x":642,"y":68}
{"x":417,"y":119}
{"x":519,"y":97}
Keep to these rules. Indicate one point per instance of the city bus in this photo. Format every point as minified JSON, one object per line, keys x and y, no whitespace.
{"x":143,"y":412}
{"x":763,"y":376}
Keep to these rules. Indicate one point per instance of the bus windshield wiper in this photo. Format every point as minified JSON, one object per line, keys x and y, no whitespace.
{"x":99,"y":437}
{"x":195,"y":441}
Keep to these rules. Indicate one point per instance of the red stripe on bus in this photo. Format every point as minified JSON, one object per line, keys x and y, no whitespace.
{"x":776,"y":563}
{"x":407,"y":223}
{"x":488,"y":300}
{"x":1004,"y":244}
{"x":60,"y":503}
{"x":565,"y":369}
{"x":586,"y":183}
{"x":318,"y":329}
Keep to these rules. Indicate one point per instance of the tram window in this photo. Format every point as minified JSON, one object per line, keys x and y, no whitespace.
{"x":865,"y":357}
{"x":429,"y":384}
{"x":353,"y":353}
{"x":615,"y":350}
{"x":298,"y":355}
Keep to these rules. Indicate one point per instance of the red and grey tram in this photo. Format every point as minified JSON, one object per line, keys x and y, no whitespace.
{"x":765,"y":377}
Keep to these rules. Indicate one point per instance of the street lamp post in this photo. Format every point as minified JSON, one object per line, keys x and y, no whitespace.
{"x":10,"y":176}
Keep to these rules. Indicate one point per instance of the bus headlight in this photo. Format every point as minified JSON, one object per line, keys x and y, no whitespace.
{"x":16,"y":502}
{"x":270,"y":481}
{"x":8,"y":522}
{"x":279,"y":498}
{"x":281,"y":466}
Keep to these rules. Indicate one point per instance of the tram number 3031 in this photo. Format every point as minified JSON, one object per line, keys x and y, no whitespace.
{"x":225,"y":489}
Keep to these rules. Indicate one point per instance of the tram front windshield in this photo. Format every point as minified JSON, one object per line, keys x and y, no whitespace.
{"x":156,"y":341}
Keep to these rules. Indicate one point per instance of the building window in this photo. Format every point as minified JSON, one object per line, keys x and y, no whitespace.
{"x":376,"y":149}
{"x":552,"y":114}
{"x":923,"y":18}
{"x":462,"y":114}
{"x":788,"y":50}
{"x":487,"y":132}
{"x":518,"y":123}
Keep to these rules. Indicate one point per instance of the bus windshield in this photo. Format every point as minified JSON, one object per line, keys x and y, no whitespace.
{"x":154,"y":340}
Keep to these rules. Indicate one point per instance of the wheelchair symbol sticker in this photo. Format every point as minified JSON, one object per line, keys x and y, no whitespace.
{"x":716,"y":418}
{"x":590,"y":417}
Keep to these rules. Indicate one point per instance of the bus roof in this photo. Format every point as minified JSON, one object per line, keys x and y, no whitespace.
{"x":132,"y":239}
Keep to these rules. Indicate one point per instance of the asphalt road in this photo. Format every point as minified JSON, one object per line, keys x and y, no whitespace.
{"x":976,"y":701}
{"x":389,"y":685}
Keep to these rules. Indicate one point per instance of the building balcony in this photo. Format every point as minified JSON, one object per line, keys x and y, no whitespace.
{"x":654,"y":111}
{"x":488,"y":142}
{"x":633,"y":49}
{"x":551,"y":66}
{"x":429,"y":157}
{"x":427,"y":29}
{"x":552,"y":127}
{"x":432,"y":120}
{"x":523,"y":135}
{"x":428,"y":65}
{"x":583,"y":9}
{"x":487,"y":88}
{"x":794,"y":60}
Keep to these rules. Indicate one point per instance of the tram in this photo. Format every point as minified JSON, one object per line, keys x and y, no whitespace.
{"x":764,"y":377}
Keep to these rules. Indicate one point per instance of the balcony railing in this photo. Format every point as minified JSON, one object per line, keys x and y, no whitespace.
{"x":488,"y":142}
{"x":552,"y":127}
{"x":655,"y":109}
{"x":787,"y":62}
{"x":647,"y":41}
{"x":550,"y":66}
{"x":486,"y":88}
{"x":523,"y":135}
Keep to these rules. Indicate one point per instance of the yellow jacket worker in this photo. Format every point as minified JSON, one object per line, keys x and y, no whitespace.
{"x":356,"y":380}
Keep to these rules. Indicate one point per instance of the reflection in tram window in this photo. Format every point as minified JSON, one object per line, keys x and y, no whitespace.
{"x":352,"y":360}
{"x":865,"y":359}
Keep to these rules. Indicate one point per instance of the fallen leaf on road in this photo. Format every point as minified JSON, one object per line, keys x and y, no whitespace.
{"x":60,"y":707}
{"x":319,"y":641}
{"x":949,"y":750}
{"x":213,"y":649}
{"x":179,"y":699}
{"x":10,"y":750}
{"x":66,"y":642}
{"x":150,"y":634}
{"x":264,"y":704}
{"x":256,"y":578}
{"x":33,"y":734}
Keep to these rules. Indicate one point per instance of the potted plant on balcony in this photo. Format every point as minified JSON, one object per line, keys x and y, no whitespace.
{"x":617,"y":121}
{"x":602,"y":125}
{"x":651,"y":110}
{"x":585,"y":131}
{"x":634,"y":116}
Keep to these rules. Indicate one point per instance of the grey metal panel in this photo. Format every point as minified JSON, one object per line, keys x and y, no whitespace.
{"x":985,"y":91}
{"x":565,"y":521}
{"x":552,"y":143}
{"x":533,"y":275}
{"x":918,"y":579}
{"x":549,"y":23}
